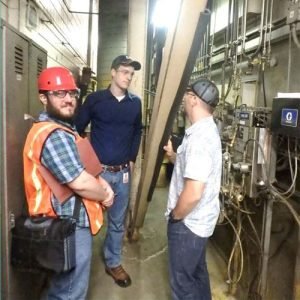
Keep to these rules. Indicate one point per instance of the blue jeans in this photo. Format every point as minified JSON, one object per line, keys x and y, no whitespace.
{"x":189,"y":277}
{"x":74,"y":284}
{"x":116,"y":215}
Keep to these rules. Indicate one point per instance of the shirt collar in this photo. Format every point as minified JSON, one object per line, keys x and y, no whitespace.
{"x":198,"y":124}
{"x":44,"y":117}
{"x":127,"y":94}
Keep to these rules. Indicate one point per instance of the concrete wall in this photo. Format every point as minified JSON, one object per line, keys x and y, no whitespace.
{"x":113,"y":35}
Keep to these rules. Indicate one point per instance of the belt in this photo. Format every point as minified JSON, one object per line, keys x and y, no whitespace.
{"x":116,"y":168}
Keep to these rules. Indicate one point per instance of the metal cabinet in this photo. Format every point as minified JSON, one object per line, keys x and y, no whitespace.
{"x":22,"y":61}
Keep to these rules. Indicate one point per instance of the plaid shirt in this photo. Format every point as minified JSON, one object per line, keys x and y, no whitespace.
{"x":61,"y":158}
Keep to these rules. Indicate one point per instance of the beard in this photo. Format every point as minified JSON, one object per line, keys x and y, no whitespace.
{"x":54,"y":113}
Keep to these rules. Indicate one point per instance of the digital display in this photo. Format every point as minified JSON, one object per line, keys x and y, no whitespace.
{"x":244,"y":116}
{"x":289,"y":117}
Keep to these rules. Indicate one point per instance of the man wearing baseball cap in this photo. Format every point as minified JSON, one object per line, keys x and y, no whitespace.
{"x":116,"y":126}
{"x":193,"y":202}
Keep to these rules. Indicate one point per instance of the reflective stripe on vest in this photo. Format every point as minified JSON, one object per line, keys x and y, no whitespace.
{"x":38,"y":193}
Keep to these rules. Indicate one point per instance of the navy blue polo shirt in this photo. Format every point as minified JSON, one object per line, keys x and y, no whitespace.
{"x":116,"y":126}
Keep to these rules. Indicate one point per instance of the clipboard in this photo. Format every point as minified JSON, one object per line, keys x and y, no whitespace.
{"x":90,"y":162}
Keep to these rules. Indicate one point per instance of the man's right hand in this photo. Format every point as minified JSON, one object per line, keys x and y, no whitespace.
{"x":96,"y":189}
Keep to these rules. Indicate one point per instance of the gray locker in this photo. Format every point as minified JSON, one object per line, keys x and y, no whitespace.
{"x":22,"y":61}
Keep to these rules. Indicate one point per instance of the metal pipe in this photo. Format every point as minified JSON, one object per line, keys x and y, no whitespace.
{"x":267,"y":222}
{"x":89,"y":42}
{"x":250,"y":56}
{"x":227,"y":32}
{"x":270,"y":25}
{"x":289,"y":62}
{"x":241,"y":65}
{"x":266,"y":19}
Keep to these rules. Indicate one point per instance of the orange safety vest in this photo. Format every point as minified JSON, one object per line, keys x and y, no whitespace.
{"x":37,"y":191}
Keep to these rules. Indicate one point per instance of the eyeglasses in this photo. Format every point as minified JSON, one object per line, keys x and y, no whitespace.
{"x":62,"y":93}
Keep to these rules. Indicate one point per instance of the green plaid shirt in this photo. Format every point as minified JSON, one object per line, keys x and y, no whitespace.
{"x":60,"y":156}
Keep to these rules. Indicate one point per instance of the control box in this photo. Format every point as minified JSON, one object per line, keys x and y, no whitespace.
{"x":285,"y":116}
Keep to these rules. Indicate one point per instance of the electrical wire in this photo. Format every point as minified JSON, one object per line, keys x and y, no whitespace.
{"x":62,"y":54}
{"x":271,"y":188}
{"x":240,"y":209}
{"x":264,"y":87}
{"x":293,"y":177}
{"x":243,"y":48}
{"x":239,"y":242}
{"x":43,"y":9}
{"x":294,"y":34}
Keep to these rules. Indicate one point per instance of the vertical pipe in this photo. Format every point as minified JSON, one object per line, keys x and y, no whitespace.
{"x":228,"y":31}
{"x":266,"y":234}
{"x":88,"y":54}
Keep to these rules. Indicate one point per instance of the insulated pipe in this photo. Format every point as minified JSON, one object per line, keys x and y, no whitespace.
{"x":227,"y":32}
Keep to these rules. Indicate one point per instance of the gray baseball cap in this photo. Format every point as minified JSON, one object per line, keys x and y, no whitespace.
{"x":206,"y":90}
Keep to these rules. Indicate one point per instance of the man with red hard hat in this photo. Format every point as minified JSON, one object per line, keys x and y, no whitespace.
{"x":51,"y":143}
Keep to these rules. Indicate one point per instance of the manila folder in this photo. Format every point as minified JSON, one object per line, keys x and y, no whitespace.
{"x":90,"y":162}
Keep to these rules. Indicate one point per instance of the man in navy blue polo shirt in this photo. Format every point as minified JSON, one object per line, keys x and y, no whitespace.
{"x":116,"y":126}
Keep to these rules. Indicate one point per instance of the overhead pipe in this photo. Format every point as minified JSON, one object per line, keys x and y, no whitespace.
{"x":212,"y":39}
{"x":228,"y":39}
{"x":244,"y":25}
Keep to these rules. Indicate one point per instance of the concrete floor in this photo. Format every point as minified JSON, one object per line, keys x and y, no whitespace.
{"x":146,"y":262}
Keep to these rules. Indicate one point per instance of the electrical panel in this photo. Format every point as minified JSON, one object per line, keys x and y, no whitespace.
{"x":248,"y":121}
{"x":285,"y":116}
{"x":252,"y":129}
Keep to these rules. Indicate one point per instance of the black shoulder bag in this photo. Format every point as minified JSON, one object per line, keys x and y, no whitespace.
{"x":45,"y":243}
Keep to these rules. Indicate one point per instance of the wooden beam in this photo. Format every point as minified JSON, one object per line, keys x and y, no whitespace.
{"x":182,"y":47}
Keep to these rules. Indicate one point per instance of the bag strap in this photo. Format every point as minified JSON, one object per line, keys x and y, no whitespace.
{"x":76,"y":208}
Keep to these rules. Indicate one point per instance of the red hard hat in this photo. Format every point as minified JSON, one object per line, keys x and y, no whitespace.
{"x":56,"y":78}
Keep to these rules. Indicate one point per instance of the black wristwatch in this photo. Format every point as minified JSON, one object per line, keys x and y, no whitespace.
{"x":172,"y":219}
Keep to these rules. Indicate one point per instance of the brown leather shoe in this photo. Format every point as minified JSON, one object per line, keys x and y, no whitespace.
{"x":119,"y":275}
